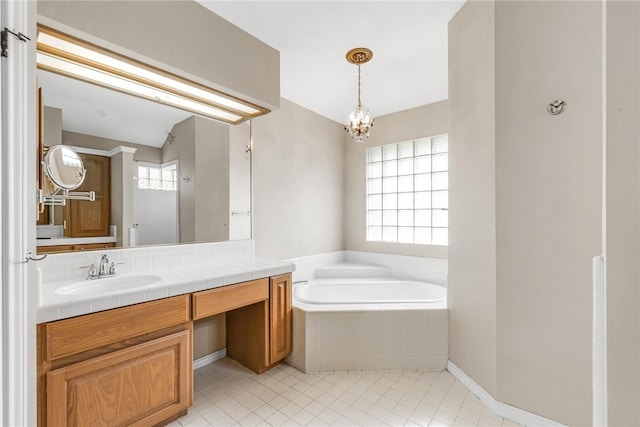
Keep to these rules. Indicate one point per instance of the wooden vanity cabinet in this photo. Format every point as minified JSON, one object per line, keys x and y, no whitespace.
{"x":141,"y":385}
{"x":259,"y":335}
{"x":133,"y":365}
{"x":280,"y":317}
{"x":126,"y":366}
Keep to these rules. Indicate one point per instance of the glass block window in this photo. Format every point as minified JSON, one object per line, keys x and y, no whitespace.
{"x":408,"y":192}
{"x":158,"y":178}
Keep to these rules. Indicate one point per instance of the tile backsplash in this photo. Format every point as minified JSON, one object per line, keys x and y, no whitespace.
{"x":75,"y":265}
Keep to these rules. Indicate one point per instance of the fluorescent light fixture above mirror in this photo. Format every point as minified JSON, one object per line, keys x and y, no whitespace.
{"x":66,"y":55}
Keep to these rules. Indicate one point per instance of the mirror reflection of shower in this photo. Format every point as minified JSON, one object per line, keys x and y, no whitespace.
{"x":155,"y":204}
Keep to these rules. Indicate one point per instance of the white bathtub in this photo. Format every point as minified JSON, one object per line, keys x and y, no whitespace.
{"x":368,"y":291}
{"x":372,"y":324}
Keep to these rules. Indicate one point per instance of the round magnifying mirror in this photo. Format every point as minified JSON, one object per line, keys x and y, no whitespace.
{"x":64,"y":167}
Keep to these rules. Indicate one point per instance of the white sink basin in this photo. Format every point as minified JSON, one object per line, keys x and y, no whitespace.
{"x":112,"y":284}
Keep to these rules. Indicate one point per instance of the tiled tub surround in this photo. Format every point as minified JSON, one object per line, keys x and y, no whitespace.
{"x":368,"y":337}
{"x":432,"y":270}
{"x":369,"y":340}
{"x":184,"y":268}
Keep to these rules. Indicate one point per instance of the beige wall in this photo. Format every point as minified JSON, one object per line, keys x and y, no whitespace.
{"x":183,"y":148}
{"x":178,"y":36}
{"x":298,"y":160}
{"x":298,"y":183}
{"x":209,"y":335}
{"x":521,"y":246}
{"x":202,"y":148}
{"x":143,"y":153}
{"x":428,"y":120}
{"x":51,"y":126}
{"x":239,"y":182}
{"x":548,"y":203}
{"x":295,"y":172}
{"x":472,"y":216}
{"x":623,"y":212}
{"x":211,"y":181}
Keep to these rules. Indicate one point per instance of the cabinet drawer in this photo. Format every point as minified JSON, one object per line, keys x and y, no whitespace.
{"x":226,"y":298}
{"x":53,"y":249}
{"x":92,"y":246}
{"x":142,"y":385}
{"x":78,"y":334}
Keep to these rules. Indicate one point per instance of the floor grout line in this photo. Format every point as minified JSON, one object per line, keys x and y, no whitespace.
{"x":228,"y":394}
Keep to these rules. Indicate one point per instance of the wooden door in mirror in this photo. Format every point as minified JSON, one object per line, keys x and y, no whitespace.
{"x":91,"y":219}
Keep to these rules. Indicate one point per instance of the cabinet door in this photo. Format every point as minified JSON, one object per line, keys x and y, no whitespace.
{"x":89,"y":219}
{"x":142,"y":385}
{"x":280,"y":317}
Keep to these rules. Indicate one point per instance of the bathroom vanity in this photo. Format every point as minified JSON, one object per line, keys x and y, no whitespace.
{"x":117,"y":367}
{"x":123,"y":354}
{"x":132,"y":365}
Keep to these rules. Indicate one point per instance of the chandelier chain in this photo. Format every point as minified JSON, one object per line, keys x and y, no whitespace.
{"x":359,"y":103}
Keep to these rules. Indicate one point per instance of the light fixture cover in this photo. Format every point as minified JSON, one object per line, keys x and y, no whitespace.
{"x":69,"y":56}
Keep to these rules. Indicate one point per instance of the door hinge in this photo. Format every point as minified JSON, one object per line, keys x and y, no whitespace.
{"x":4,"y":36}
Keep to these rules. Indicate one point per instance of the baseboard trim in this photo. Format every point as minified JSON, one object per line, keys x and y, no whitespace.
{"x":209,"y":359}
{"x":503,"y":410}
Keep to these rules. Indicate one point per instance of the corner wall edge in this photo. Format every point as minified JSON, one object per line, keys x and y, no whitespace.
{"x":501,"y":409}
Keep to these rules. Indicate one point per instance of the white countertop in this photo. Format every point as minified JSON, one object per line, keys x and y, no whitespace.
{"x":74,"y":240}
{"x":174,"y":281}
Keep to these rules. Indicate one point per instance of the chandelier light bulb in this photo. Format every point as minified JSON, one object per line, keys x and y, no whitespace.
{"x":360,"y":121}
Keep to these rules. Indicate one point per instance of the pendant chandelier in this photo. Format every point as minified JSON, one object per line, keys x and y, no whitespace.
{"x":359,"y":121}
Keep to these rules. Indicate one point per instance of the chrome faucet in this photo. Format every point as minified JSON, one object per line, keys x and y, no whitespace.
{"x":103,"y":270}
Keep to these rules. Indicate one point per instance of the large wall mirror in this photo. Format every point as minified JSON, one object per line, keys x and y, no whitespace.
{"x":161,"y":175}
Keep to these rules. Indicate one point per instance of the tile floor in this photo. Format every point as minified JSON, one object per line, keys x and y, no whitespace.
{"x":228,"y":394}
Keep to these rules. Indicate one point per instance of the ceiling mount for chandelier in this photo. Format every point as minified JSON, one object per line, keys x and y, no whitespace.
{"x":359,"y":121}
